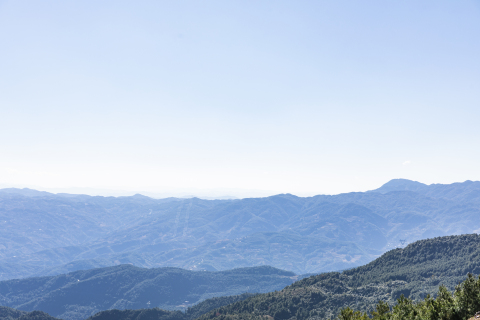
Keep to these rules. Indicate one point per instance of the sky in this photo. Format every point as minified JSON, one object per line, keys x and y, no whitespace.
{"x":237,"y":97}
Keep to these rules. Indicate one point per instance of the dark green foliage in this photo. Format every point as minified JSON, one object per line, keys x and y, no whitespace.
{"x":381,"y":310}
{"x":423,"y":263}
{"x":463,"y":304}
{"x":80,"y":294}
{"x":349,"y":314}
{"x":213,"y":303}
{"x":418,"y":269}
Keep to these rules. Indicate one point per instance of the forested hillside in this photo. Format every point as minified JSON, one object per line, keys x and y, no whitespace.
{"x":464,"y":303}
{"x":12,"y":314}
{"x":78,"y":295}
{"x":45,"y":234}
{"x":415,"y":271}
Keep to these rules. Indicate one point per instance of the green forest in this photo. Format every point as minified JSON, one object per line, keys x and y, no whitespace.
{"x":415,"y":272}
{"x":462,"y":304}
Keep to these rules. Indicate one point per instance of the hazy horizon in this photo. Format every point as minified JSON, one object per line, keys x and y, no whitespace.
{"x":159,"y":193}
{"x":299,"y":97}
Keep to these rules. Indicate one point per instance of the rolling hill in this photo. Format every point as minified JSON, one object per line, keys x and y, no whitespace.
{"x":80,"y":294}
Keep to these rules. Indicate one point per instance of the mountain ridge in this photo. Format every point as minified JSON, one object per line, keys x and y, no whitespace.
{"x":80,"y":294}
{"x":45,"y":235}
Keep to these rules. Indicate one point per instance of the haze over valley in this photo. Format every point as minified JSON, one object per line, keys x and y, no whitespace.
{"x":49,"y":234}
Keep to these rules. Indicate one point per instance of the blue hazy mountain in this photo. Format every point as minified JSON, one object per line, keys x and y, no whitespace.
{"x":402,"y":185}
{"x":48,"y":234}
{"x":468,"y":191}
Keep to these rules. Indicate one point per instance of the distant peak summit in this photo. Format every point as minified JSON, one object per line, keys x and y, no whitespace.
{"x":401,"y":185}
{"x":140,"y":196}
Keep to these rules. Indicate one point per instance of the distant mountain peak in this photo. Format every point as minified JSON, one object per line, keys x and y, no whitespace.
{"x":401,"y":185}
{"x":140,"y":196}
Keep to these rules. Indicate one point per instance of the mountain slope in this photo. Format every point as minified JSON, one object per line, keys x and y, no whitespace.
{"x":402,"y":185}
{"x":12,"y":314}
{"x":414,"y":271}
{"x":81,"y":294}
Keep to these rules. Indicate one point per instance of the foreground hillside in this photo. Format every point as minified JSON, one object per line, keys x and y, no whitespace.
{"x":45,"y":234}
{"x":462,"y":304}
{"x":414,"y":271}
{"x":80,"y":294}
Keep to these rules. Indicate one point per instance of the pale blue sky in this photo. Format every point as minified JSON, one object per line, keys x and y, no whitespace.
{"x":304,"y":97}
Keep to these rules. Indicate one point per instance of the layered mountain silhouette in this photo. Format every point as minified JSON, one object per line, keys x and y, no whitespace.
{"x":49,"y":234}
{"x":116,"y":292}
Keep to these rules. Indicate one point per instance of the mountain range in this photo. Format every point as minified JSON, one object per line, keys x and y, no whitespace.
{"x":49,"y":234}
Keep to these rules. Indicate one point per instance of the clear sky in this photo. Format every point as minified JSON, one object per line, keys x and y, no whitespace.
{"x":302,"y":97}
